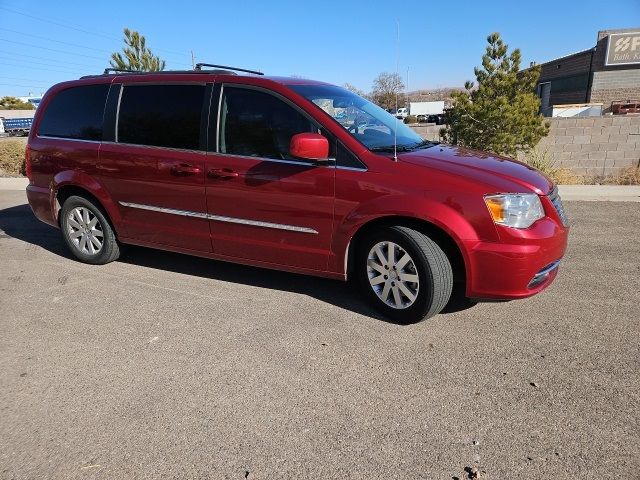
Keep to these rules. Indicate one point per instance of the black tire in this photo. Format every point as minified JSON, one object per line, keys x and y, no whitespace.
{"x":108,"y":252}
{"x":431,"y":265}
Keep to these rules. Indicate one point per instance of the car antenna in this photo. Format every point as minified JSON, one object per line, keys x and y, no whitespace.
{"x":395,"y":130}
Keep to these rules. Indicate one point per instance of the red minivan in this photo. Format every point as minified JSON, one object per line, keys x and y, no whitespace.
{"x":290,"y":174}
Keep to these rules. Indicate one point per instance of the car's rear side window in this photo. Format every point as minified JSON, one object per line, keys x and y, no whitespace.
{"x":161,"y":115}
{"x":75,"y":113}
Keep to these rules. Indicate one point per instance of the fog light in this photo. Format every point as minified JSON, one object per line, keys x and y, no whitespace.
{"x":543,"y":274}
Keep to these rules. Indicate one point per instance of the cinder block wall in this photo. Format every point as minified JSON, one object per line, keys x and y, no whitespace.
{"x":428,"y":132}
{"x":593,"y":146}
{"x":588,"y":146}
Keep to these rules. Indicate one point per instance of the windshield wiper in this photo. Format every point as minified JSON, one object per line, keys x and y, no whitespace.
{"x":424,"y":144}
{"x":390,"y":148}
{"x":404,"y":148}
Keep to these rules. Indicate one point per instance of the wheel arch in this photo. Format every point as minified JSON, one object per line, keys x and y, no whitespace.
{"x":67,"y":184}
{"x":445,"y":240}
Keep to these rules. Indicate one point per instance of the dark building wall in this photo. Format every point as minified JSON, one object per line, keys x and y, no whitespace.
{"x":583,"y":77}
{"x":569,"y":77}
{"x":613,"y":83}
{"x":575,"y":64}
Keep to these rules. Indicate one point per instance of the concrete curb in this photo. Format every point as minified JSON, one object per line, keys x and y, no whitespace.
{"x":600,"y":193}
{"x":588,"y":193}
{"x":13,"y":183}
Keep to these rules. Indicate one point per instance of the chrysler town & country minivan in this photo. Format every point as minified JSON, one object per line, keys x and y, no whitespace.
{"x":290,"y":174}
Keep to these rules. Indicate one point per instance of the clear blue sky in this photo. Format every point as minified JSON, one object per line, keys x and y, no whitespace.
{"x":44,"y":42}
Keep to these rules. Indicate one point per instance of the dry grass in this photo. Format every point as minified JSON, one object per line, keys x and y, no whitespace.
{"x":627,"y":176}
{"x":12,"y":158}
{"x":565,"y":176}
{"x":560,"y":175}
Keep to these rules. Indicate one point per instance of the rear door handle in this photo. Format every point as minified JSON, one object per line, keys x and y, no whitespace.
{"x":184,"y":170}
{"x":222,"y":173}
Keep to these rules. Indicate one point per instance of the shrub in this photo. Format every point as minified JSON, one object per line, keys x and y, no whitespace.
{"x":13,"y":103}
{"x":410,"y":119}
{"x":12,"y":157}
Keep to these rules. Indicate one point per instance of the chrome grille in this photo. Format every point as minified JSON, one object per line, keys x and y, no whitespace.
{"x":557,"y":203}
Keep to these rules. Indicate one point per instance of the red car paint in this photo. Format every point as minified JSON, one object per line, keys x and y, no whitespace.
{"x":442,"y":186}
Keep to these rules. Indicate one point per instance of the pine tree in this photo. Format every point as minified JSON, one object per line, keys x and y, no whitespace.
{"x":135,"y":55}
{"x":501,"y":115}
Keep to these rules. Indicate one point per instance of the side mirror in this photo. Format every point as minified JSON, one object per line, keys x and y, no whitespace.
{"x":310,"y":146}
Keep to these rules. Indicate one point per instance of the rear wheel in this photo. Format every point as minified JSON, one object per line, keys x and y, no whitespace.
{"x":404,"y":274}
{"x":87,"y":232}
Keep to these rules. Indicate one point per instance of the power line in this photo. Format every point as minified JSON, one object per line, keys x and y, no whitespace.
{"x":53,"y":22}
{"x":52,"y":63}
{"x":24,"y":86}
{"x":56,"y":41}
{"x":71,"y":44}
{"x":68,"y":72}
{"x":171,"y":62}
{"x":59,"y":67}
{"x":74,"y":27}
{"x":101,"y":64}
{"x":15,"y":78}
{"x":27,"y":63}
{"x":50,"y":49}
{"x":48,"y":68}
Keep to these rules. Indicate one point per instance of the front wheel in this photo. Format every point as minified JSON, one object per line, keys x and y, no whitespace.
{"x":87,"y":232}
{"x":404,"y":274}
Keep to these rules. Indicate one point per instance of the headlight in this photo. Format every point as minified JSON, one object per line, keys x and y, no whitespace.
{"x":517,"y":210}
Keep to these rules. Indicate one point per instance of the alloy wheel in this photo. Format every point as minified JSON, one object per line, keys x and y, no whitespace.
{"x":392,"y":275}
{"x":85,"y":231}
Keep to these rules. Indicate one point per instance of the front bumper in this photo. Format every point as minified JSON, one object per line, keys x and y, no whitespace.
{"x":524,"y":263}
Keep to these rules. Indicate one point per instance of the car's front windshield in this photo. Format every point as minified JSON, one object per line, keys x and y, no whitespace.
{"x":375,"y":128}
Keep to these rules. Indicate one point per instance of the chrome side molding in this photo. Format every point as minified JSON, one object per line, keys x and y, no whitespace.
{"x":219,"y":218}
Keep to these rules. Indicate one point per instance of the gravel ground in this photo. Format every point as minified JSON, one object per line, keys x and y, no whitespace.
{"x":167,"y":366}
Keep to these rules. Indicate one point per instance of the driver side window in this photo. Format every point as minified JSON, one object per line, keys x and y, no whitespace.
{"x":257,"y":124}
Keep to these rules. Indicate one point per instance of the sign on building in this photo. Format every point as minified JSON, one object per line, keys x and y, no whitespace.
{"x":623,"y":49}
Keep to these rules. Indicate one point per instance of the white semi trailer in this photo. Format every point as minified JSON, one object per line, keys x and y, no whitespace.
{"x":426,"y":108}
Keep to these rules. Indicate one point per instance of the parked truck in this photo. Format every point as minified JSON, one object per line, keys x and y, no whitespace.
{"x":15,"y":126}
{"x":427,"y":111}
{"x":402,"y":113}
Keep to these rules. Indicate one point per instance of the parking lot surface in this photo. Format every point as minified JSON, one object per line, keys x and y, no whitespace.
{"x":167,"y":366}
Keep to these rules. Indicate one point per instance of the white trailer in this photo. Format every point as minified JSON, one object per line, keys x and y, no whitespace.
{"x":426,"y":108}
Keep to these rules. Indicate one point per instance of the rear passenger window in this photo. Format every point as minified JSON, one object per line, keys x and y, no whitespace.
{"x":75,"y":113}
{"x":161,"y":115}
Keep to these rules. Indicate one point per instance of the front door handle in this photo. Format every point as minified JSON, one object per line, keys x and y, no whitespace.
{"x":222,"y":173}
{"x":184,"y":170}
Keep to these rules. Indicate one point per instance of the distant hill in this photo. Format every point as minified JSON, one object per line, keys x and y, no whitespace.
{"x":432,"y":95}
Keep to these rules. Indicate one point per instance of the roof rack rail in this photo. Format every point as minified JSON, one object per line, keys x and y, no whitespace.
{"x":119,"y":70}
{"x":200,"y":65}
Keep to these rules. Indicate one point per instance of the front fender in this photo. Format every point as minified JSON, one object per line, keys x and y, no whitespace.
{"x":444,"y":216}
{"x":85,"y":182}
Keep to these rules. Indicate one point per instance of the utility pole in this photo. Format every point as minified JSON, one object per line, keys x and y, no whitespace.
{"x":407,"y":87}
{"x":193,"y":60}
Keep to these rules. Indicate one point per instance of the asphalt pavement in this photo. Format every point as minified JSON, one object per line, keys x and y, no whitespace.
{"x":167,"y":366}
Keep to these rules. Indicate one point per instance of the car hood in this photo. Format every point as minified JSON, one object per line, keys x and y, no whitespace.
{"x":484,"y":166}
